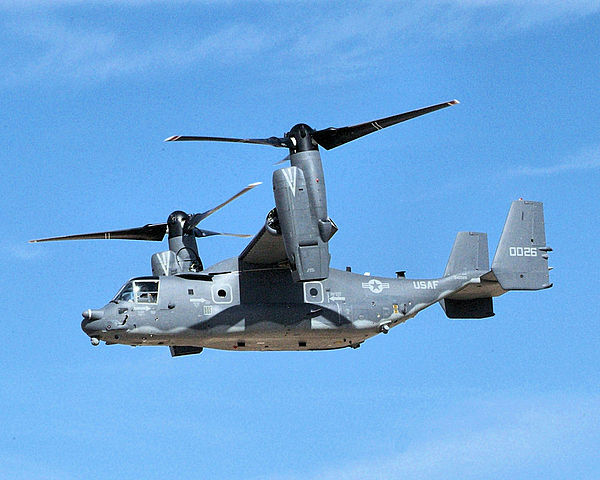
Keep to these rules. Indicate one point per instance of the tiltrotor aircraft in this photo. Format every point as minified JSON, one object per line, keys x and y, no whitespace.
{"x":280,"y":293}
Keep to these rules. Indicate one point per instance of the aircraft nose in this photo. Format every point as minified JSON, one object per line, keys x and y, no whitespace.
{"x":89,"y":326}
{"x":90,"y":323}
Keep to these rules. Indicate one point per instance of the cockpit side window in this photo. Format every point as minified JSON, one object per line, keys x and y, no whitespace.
{"x":139,"y":291}
{"x":146,"y":291}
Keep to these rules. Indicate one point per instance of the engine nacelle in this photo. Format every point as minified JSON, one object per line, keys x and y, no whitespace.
{"x":305,"y":248}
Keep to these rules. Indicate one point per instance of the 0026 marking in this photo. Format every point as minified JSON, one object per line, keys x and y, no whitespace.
{"x":522,"y":251}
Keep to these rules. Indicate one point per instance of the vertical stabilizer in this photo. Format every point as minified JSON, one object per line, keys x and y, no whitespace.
{"x":521,"y":260}
{"x":469,"y":252}
{"x":470,"y":257}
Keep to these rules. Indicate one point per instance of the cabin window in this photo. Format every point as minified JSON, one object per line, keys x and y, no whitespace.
{"x":146,"y":291}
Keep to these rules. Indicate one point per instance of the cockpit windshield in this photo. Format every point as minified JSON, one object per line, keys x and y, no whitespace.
{"x":138,"y":291}
{"x":125,"y":294}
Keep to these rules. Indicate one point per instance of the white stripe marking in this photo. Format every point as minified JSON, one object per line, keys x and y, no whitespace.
{"x":290,"y":177}
{"x":162,"y":263}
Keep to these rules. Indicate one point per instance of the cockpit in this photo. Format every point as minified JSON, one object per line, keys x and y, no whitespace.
{"x":140,"y":290}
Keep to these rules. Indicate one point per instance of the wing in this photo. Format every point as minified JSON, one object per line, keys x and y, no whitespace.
{"x":264,"y":249}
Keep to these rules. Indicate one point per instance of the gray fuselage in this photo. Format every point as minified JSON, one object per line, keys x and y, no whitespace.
{"x":264,"y":309}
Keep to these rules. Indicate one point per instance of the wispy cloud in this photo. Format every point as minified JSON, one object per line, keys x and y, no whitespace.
{"x":491,"y":439}
{"x":524,"y":14}
{"x":586,"y":159}
{"x":84,"y":53}
{"x":563,"y":5}
{"x":343,"y":41}
{"x":55,"y":4}
{"x":20,"y":251}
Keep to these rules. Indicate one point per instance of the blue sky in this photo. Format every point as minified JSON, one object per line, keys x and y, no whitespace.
{"x":91,"y":88}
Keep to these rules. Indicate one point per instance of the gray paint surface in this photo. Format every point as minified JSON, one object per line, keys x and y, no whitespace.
{"x":235,"y":305}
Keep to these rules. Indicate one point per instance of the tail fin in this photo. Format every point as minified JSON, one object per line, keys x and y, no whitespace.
{"x":469,"y":256}
{"x":469,"y":252}
{"x":521,"y":260}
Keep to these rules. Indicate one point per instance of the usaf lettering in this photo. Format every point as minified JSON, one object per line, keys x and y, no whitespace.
{"x":425,"y":285}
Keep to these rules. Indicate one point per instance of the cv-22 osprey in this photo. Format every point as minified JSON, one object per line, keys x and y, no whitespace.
{"x":280,"y":293}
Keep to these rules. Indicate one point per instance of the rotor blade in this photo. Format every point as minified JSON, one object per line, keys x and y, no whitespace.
{"x":283,"y":160}
{"x":151,"y":232}
{"x":333,"y":137}
{"x":273,"y":141}
{"x":207,"y":233}
{"x":198,"y":217}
